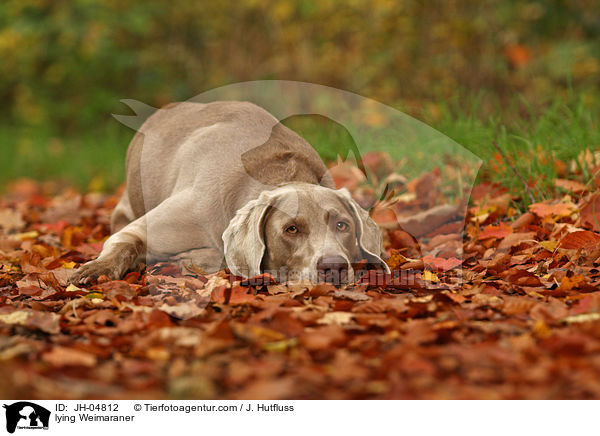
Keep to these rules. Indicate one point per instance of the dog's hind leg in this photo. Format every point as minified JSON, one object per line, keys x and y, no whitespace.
{"x":168,"y":229}
{"x":122,"y":215}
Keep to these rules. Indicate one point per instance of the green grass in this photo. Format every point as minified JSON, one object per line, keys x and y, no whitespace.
{"x":90,"y":161}
{"x":540,"y":144}
{"x":535,"y":140}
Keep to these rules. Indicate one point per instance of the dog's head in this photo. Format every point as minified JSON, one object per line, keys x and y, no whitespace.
{"x":302,"y":231}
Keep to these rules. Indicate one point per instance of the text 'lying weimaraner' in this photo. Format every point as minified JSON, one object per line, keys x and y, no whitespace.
{"x":225,"y":184}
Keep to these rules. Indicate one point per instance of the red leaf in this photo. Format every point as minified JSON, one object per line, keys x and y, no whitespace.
{"x":259,"y":280}
{"x":441,"y":264}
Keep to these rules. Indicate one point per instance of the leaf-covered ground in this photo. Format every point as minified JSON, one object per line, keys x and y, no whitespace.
{"x":518,"y":316}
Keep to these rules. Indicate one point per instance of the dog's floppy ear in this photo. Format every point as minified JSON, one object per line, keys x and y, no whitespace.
{"x":369,"y":234}
{"x":243,"y":239}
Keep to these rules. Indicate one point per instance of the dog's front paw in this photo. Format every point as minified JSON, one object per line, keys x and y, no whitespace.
{"x":95,"y":269}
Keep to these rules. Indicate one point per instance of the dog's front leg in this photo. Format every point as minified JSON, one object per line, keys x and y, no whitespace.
{"x":208,"y":259}
{"x":120,"y":253}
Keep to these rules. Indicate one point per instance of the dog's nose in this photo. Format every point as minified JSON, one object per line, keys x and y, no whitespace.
{"x":332,"y":269}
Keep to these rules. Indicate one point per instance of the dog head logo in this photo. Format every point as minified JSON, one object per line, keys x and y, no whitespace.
{"x":26,"y":415}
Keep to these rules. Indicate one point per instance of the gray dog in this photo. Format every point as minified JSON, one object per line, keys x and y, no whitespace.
{"x":226,"y":182}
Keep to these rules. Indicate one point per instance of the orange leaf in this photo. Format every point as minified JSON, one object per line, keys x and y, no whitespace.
{"x":241,"y":295}
{"x":497,"y":232}
{"x":568,"y":283}
{"x":581,"y":239}
{"x":555,"y":210}
{"x":517,"y":54}
{"x":570,"y":185}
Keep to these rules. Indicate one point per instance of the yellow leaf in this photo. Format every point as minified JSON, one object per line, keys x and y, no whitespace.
{"x":72,"y":288}
{"x":536,"y":294}
{"x":27,"y":235}
{"x":280,"y":345}
{"x":480,"y":218}
{"x":68,"y":265}
{"x":541,"y":329}
{"x":428,"y":275}
{"x":549,"y":245}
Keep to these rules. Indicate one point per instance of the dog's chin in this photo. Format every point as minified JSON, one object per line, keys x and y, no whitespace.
{"x":284,"y":275}
{"x":337,"y":278}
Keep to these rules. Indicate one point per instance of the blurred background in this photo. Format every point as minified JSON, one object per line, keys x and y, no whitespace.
{"x":525,"y":74}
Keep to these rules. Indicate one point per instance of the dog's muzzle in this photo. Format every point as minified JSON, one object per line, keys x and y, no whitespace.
{"x":333,"y":269}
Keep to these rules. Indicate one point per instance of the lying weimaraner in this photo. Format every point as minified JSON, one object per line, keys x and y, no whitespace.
{"x":225,"y":181}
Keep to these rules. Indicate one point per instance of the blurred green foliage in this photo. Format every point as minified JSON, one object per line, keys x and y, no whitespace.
{"x":525,"y":74}
{"x":66,"y":64}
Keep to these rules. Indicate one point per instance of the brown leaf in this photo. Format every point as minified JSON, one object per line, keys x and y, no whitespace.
{"x":322,"y":289}
{"x":524,"y":220}
{"x":419,"y":331}
{"x":346,"y":175}
{"x":590,"y":213}
{"x":514,"y":239}
{"x":322,"y":338}
{"x":425,"y":222}
{"x":522,"y":278}
{"x":405,"y":243}
{"x":184,"y":310}
{"x":351,"y":295}
{"x":269,"y":389}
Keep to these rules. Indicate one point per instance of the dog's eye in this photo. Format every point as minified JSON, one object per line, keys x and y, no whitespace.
{"x":292,"y":230}
{"x":342,"y":226}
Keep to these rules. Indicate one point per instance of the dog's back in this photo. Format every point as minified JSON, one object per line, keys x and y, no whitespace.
{"x":229,"y":151}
